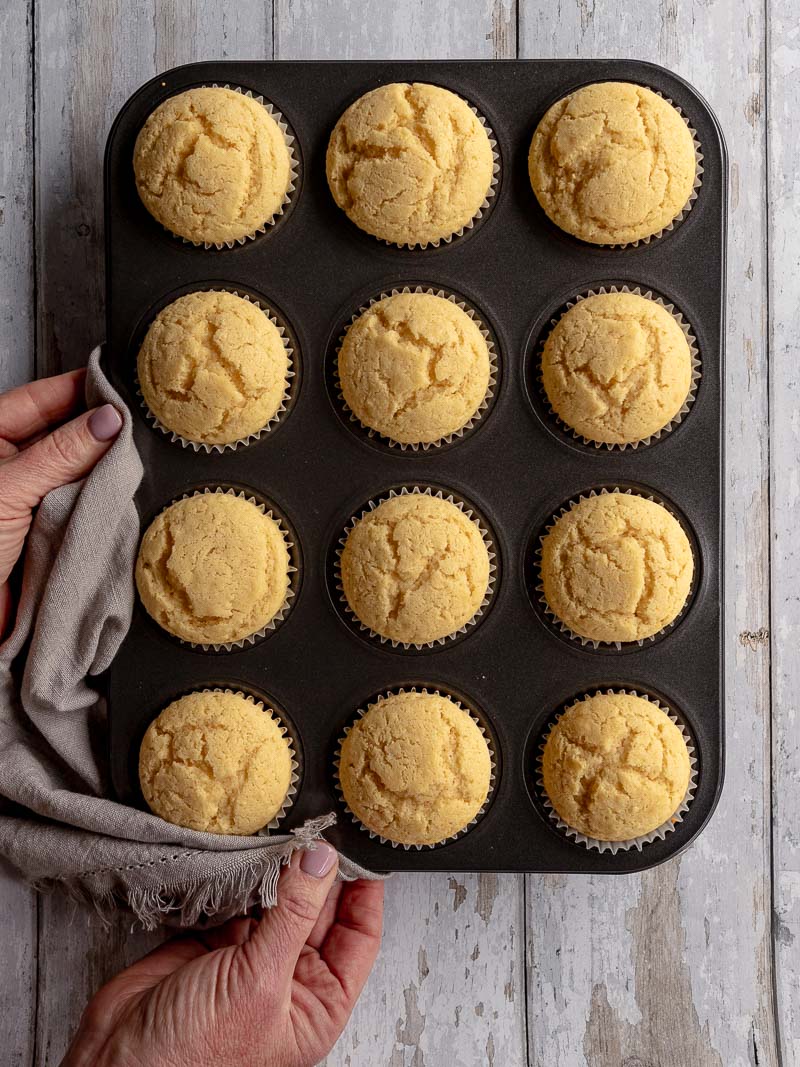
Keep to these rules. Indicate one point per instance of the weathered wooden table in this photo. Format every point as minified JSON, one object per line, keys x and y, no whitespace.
{"x":694,"y":964}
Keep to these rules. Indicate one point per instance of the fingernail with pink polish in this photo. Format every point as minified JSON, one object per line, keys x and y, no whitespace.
{"x":105,"y":423}
{"x":318,"y":862}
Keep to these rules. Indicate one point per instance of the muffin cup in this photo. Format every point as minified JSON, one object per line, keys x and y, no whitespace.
{"x":492,"y":774}
{"x":484,"y":207}
{"x":294,"y":170}
{"x":294,"y":778}
{"x":490,"y":389}
{"x":690,"y":396}
{"x":242,"y":442}
{"x":487,"y":540}
{"x":698,"y":180}
{"x":555,"y":621}
{"x":638,"y":843}
{"x":280,"y":614}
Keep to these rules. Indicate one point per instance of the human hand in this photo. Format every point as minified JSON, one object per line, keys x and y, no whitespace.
{"x":32,"y":461}
{"x":272,"y":993}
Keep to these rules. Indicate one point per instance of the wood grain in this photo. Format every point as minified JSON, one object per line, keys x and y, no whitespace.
{"x":449,"y":983}
{"x":16,"y":196}
{"x":704,"y":918}
{"x":18,"y":996}
{"x":674,"y":967}
{"x":18,"y":918}
{"x":783,"y":57}
{"x":409,"y":29}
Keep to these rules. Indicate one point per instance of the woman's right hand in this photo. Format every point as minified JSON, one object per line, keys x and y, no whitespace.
{"x":272,"y":993}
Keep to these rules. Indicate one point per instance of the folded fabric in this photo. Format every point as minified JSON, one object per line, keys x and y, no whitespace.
{"x":58,"y":825}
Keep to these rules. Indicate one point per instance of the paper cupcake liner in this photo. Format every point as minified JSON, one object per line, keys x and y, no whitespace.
{"x":242,"y":442}
{"x":484,"y":207}
{"x":482,"y":407}
{"x":638,"y":843}
{"x":589,"y":642}
{"x":463,"y":506}
{"x":492,"y":773}
{"x":294,"y":170}
{"x":691,"y":340}
{"x":291,"y":793}
{"x":280,"y":614}
{"x":698,"y":181}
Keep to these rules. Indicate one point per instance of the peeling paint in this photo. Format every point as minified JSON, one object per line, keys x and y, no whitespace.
{"x":459,"y":893}
{"x":409,"y":1029}
{"x":487,"y":893}
{"x":669,"y":1033}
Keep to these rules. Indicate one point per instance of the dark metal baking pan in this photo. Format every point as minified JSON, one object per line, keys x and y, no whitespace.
{"x":316,"y":269}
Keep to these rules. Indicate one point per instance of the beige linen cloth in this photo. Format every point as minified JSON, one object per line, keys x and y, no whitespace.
{"x":58,"y":824}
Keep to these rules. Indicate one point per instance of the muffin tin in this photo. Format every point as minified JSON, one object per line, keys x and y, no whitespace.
{"x":314,"y":269}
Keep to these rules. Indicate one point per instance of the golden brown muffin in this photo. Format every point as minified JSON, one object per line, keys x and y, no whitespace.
{"x":415,"y":769}
{"x":212,"y":165}
{"x":616,"y":567}
{"x":615,"y":767}
{"x":213,"y":569}
{"x":217,"y":762}
{"x":617,"y":368}
{"x":213,"y":368}
{"x":414,"y":367}
{"x":416,"y":569}
{"x":612,"y":163}
{"x":410,"y":164}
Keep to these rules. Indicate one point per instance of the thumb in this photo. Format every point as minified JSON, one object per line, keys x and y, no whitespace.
{"x":279,"y":937}
{"x":63,"y":456}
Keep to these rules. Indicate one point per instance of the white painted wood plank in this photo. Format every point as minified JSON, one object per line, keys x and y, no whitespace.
{"x":17,"y":902}
{"x":18,"y":969}
{"x":16,"y":197}
{"x":408,"y":29}
{"x":448,"y":987}
{"x":673,"y":967}
{"x":448,"y":984}
{"x":783,"y":67}
{"x":90,"y":57}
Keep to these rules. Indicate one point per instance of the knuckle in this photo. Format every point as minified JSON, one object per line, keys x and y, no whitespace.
{"x":14,"y":506}
{"x":299,"y":906}
{"x":66,"y":449}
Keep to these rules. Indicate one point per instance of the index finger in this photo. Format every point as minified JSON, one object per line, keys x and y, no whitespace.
{"x":353,"y":940}
{"x":31,"y":408}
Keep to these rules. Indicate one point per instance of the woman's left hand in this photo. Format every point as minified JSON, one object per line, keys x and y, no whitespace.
{"x":35,"y":457}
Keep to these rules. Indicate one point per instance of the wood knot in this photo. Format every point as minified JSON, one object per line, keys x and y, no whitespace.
{"x":753,"y":639}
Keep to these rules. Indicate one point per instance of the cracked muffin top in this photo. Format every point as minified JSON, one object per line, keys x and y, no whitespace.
{"x":414,"y":367}
{"x":612,"y":163}
{"x":212,"y":165}
{"x":616,"y":567}
{"x":217,"y":762}
{"x":415,"y":768}
{"x":415,"y":569}
{"x":410,"y":164}
{"x":213,"y":367}
{"x":213,"y":569}
{"x":615,"y":767}
{"x":617,"y":368}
